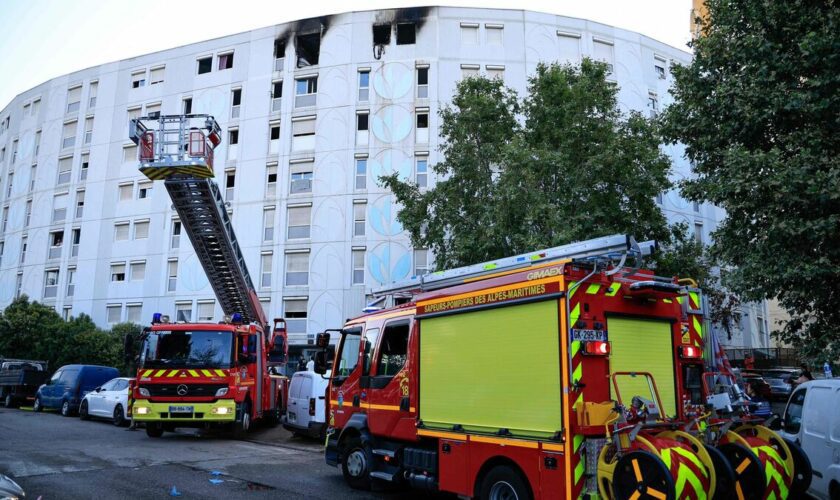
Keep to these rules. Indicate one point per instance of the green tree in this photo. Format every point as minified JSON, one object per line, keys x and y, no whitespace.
{"x":577,"y":169}
{"x":757,"y":110}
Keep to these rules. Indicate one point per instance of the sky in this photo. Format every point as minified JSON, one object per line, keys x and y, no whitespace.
{"x":43,"y":39}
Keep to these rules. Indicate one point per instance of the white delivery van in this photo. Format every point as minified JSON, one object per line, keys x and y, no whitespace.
{"x":812,"y":419}
{"x":306,"y":408}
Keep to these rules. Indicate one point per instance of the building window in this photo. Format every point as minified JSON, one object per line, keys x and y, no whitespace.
{"x":297,"y":269}
{"x":300,"y":179}
{"x":183,"y":312}
{"x":37,"y":145}
{"x":421,"y":262}
{"x":144,"y":190}
{"x":24,"y":242}
{"x":230,"y":184}
{"x":74,"y":97}
{"x":359,"y":210}
{"x":60,"y":202}
{"x":470,"y":70}
{"x":300,"y":220}
{"x":698,"y":232}
{"x":306,"y":90}
{"x":653,"y":104}
{"x":205,"y":65}
{"x":495,"y":72}
{"x":268,"y":224}
{"x":156,"y":75}
{"x":406,"y":33}
{"x":138,"y":79}
{"x":381,"y":34}
{"x":68,"y":135}
{"x":141,"y":230}
{"x":129,"y":154}
{"x":172,"y":275}
{"x":279,"y":54}
{"x":233,"y":144}
{"x":274,"y":138}
{"x":186,"y":106}
{"x":50,"y":283}
{"x":153,"y":110}
{"x":10,"y":184}
{"x":271,"y":181}
{"x":133,"y":313}
{"x":118,"y":272}
{"x":294,"y":312}
{"x":696,"y":207}
{"x":76,"y":238}
{"x":362,"y":125}
{"x":303,"y":133}
{"x":603,"y":52}
{"x":364,"y":85}
{"x":28,"y":215}
{"x":114,"y":313}
{"x":94,"y":87}
{"x":33,"y":175}
{"x":659,"y":198}
{"x":71,"y":281}
{"x":126,"y":191}
{"x":276,"y":95}
{"x":80,"y":203}
{"x":361,"y":173}
{"x":206,"y":309}
{"x":5,"y":218}
{"x":18,"y":284}
{"x":138,"y":271}
{"x":469,"y":33}
{"x":225,"y":61}
{"x":64,"y":166}
{"x":422,"y":132}
{"x":421,"y":173}
{"x":88,"y":130}
{"x":358,"y":267}
{"x":308,"y":49}
{"x":85,"y":163}
{"x":494,"y":33}
{"x":175,"y":240}
{"x":423,"y":83}
{"x":236,"y":102}
{"x":14,"y":150}
{"x":2,"y":248}
{"x":659,"y":67}
{"x":265,"y":269}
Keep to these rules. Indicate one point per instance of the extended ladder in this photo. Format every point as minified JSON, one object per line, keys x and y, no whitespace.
{"x":617,"y":246}
{"x":183,"y":155}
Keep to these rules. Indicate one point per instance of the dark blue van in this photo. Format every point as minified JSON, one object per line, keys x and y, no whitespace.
{"x":68,"y":386}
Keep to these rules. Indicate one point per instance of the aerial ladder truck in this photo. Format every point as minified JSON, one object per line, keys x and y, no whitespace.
{"x":565,"y":373}
{"x":205,"y":374}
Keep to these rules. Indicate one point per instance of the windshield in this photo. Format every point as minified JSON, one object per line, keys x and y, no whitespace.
{"x":198,"y":348}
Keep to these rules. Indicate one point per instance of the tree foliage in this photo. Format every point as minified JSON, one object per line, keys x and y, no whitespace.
{"x":562,"y":165}
{"x":758,"y":110}
{"x":30,"y":330}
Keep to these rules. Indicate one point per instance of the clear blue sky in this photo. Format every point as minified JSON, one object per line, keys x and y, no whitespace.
{"x":42,"y":39}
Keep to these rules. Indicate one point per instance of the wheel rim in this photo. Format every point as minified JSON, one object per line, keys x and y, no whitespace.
{"x":37,"y":404}
{"x":118,"y":414}
{"x":83,"y":409}
{"x":503,"y":490}
{"x":642,"y":474}
{"x":65,"y":408}
{"x":246,"y":421}
{"x":356,"y":463}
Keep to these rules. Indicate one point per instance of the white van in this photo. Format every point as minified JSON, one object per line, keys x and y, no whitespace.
{"x":306,"y":408}
{"x":812,"y":419}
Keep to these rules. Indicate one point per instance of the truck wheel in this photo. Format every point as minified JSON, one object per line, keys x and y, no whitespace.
{"x":9,"y":402}
{"x":154,"y":430}
{"x":83,"y":410}
{"x":119,"y":416}
{"x":503,"y":483}
{"x":65,"y":409}
{"x":355,"y":464}
{"x":36,"y":406}
{"x":240,"y":428}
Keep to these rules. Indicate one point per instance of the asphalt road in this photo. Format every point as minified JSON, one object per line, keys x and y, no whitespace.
{"x":54,"y":457}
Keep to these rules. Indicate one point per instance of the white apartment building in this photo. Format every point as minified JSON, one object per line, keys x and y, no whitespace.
{"x":313,"y":112}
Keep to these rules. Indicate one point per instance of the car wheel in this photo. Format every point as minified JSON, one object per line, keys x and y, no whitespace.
{"x":355,"y":465}
{"x":65,"y":409}
{"x":240,"y":428}
{"x":36,"y":406}
{"x":83,"y":410}
{"x":9,"y":402}
{"x":119,"y":416}
{"x":503,"y":483}
{"x":154,"y":430}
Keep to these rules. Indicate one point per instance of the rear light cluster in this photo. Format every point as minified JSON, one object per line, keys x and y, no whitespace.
{"x":596,"y":348}
{"x":311,"y":407}
{"x":690,"y":352}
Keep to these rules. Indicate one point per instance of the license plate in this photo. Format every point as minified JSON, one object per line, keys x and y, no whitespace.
{"x":180,"y":409}
{"x":586,"y":335}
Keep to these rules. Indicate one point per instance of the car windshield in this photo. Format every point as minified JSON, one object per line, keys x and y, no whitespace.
{"x":196,"y":348}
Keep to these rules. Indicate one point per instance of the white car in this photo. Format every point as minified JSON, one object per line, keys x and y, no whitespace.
{"x":306,"y":409}
{"x":109,"y":400}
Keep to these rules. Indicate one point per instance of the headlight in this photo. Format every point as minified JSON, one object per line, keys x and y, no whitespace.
{"x":221,"y":392}
{"x":141,"y":410}
{"x":144,"y":392}
{"x":220,"y":411}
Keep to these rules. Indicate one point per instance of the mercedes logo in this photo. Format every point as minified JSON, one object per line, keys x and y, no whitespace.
{"x":182,"y":390}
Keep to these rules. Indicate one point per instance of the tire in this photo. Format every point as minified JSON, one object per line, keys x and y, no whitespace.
{"x":36,"y":405}
{"x":9,"y":402}
{"x":154,"y":430}
{"x":118,"y":418}
{"x":66,"y":411}
{"x":355,"y":464}
{"x":503,"y":482}
{"x":241,"y":427}
{"x":83,"y":410}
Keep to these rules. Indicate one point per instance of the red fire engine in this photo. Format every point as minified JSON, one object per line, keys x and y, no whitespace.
{"x":204,"y":374}
{"x":555,"y":374}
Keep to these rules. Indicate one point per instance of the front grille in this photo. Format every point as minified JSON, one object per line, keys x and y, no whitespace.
{"x":193,"y":390}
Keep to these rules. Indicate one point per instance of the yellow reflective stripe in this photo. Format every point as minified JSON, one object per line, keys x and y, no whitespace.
{"x":147,"y":373}
{"x":774,"y":475}
{"x":193,"y":373}
{"x":668,"y":301}
{"x":613,"y":289}
{"x":693,"y":458}
{"x":173,"y":373}
{"x":207,"y":373}
{"x":577,"y":441}
{"x":504,"y":442}
{"x":695,"y":300}
{"x":442,"y":435}
{"x":578,"y":472}
{"x":680,"y":299}
{"x":577,"y":375}
{"x":572,"y":289}
{"x":553,"y":447}
{"x":220,"y":373}
{"x":575,"y":347}
{"x":593,"y":289}
{"x":769,"y":450}
{"x":574,"y":316}
{"x":665,"y":454}
{"x":578,"y":401}
{"x":159,"y":373}
{"x":684,"y":474}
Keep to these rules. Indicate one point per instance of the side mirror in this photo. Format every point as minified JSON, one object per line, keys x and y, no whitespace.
{"x":322,"y":340}
{"x":98,"y":389}
{"x":322,"y":361}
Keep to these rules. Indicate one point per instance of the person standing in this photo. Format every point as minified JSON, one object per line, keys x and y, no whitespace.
{"x":827,"y":370}
{"x":804,"y":375}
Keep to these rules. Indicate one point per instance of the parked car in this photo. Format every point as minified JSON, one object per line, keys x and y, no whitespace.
{"x":812,"y":419}
{"x":110,"y":400}
{"x":69,"y":384}
{"x":306,"y":408}
{"x":20,"y":379}
{"x":9,"y":489}
{"x":762,"y":387}
{"x":780,"y":382}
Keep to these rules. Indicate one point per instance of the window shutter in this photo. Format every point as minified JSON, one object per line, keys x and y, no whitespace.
{"x":303,"y":127}
{"x":300,"y":216}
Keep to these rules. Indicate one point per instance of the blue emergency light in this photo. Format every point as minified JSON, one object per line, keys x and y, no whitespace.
{"x":156,"y":318}
{"x":236,"y":319}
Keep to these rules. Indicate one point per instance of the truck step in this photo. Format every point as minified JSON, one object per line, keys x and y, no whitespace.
{"x":384,"y":476}
{"x":383,"y":452}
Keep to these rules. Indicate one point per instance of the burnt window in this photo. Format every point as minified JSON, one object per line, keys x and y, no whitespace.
{"x":381,"y":34}
{"x":406,"y":33}
{"x":279,"y":49}
{"x":308,"y":48}
{"x":362,"y":121}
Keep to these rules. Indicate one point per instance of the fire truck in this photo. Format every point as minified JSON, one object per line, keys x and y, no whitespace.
{"x":205,"y":374}
{"x":569,"y":372}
